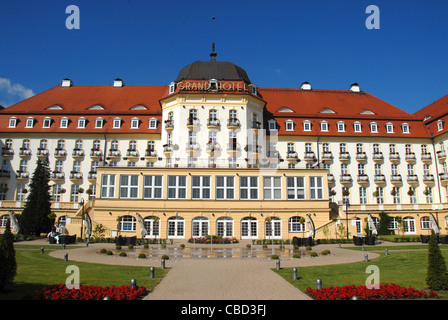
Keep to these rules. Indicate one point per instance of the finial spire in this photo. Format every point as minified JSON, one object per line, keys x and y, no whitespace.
{"x":213,"y":54}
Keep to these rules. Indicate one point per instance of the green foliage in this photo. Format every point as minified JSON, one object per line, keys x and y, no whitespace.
{"x":436,"y":277}
{"x":383,"y":228}
{"x":35,"y":218}
{"x":8,"y":264}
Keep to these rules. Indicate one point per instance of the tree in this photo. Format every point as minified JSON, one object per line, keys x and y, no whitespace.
{"x":35,"y":216}
{"x":8,"y":264}
{"x":436,"y":277}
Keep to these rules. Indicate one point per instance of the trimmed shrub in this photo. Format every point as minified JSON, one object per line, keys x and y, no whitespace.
{"x":142,"y":256}
{"x":296,"y":256}
{"x":325,"y":252}
{"x":313,"y":254}
{"x":123,"y":254}
{"x":109,"y":253}
{"x":164,"y":257}
{"x":103,"y":250}
{"x":436,"y":277}
{"x":274,"y":257}
{"x":117,"y":247}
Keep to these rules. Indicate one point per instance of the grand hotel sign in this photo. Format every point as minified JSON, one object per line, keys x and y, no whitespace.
{"x":213,"y":85}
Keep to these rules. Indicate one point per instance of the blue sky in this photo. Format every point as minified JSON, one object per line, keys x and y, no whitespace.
{"x":279,"y":44}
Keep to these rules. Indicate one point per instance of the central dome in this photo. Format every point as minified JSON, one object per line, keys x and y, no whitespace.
{"x":219,"y":70}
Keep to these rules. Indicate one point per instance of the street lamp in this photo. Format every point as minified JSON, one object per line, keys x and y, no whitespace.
{"x":347,"y":205}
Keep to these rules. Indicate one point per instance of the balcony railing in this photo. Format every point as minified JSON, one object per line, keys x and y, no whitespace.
{"x":343,"y":156}
{"x":213,"y":123}
{"x":233,"y":123}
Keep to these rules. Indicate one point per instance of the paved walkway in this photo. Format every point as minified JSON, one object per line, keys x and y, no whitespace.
{"x":220,"y":278}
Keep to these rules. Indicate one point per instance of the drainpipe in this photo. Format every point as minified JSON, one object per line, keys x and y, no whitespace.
{"x":437,"y":174}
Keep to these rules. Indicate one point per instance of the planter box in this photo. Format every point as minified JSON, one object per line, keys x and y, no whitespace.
{"x":371,"y":241}
{"x":125,"y":241}
{"x":358,"y":240}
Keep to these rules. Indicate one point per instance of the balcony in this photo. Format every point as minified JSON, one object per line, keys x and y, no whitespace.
{"x":75,"y":176}
{"x":344,"y":156}
{"x":396,"y":179}
{"x":426,"y":157}
{"x":443,"y":178}
{"x":192,"y":123}
{"x":361,"y":156}
{"x":410,"y":157}
{"x":330,"y":178}
{"x":292,"y":156}
{"x":22,"y":175}
{"x":167,"y":150}
{"x":169,"y":125}
{"x":57,"y":176}
{"x":394,"y":157}
{"x":150,"y":155}
{"x":114,"y":154}
{"x":92,"y":176}
{"x":412,"y":179}
{"x":441,"y":155}
{"x":213,"y":147}
{"x":60,"y":153}
{"x":346,"y":178}
{"x":213,"y":123}
{"x":327,"y":156}
{"x":7,"y":152}
{"x":233,"y":148}
{"x":132,"y":154}
{"x":78,"y":153}
{"x":42,"y":152}
{"x":5,"y":174}
{"x":363,"y":178}
{"x":192,"y":148}
{"x":379,"y":179}
{"x":96,"y":153}
{"x":256,"y":125}
{"x":25,"y":153}
{"x":378,"y":156}
{"x":233,"y":123}
{"x":309,"y":156}
{"x":428,"y":179}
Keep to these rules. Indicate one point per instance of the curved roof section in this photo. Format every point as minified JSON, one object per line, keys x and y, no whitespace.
{"x":206,"y":70}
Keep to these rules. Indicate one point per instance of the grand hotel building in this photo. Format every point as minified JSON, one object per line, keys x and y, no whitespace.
{"x":213,"y":153}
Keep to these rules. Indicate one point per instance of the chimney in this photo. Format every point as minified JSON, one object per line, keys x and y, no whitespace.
{"x":355,"y":88}
{"x":306,"y":86}
{"x":118,"y":83}
{"x":66,"y":83}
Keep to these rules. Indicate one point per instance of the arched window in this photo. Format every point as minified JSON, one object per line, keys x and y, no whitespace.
{"x":409,"y":225}
{"x":249,"y":228}
{"x":176,"y":228}
{"x":224,"y":227}
{"x":199,"y":227}
{"x":127,"y":223}
{"x":296,"y":224}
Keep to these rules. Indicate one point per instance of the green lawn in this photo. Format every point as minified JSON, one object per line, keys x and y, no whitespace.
{"x":35,"y":271}
{"x":405,"y":268}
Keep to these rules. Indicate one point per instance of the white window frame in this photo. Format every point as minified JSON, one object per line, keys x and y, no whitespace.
{"x":289,"y":125}
{"x":135,"y":122}
{"x":152,"y":123}
{"x":12,"y":122}
{"x":152,"y":187}
{"x":373,"y":127}
{"x":108,"y":186}
{"x":405,"y":128}
{"x":357,"y":127}
{"x":389,"y":127}
{"x":116,"y":124}
{"x":272,"y":192}
{"x":64,"y":123}
{"x":307,"y":125}
{"x":227,"y":188}
{"x":82,"y":123}
{"x":249,"y":188}
{"x":99,"y":123}
{"x":46,"y":123}
{"x":295,"y":190}
{"x":202,"y":190}
{"x":324,"y":126}
{"x":29,"y":122}
{"x":129,"y":186}
{"x":340,"y":126}
{"x":316,"y":188}
{"x":178,"y":185}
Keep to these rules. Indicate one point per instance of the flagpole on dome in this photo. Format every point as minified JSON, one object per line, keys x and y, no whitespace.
{"x":213,"y":54}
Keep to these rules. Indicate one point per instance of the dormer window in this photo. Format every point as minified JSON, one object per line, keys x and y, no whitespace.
{"x":12,"y":122}
{"x":405,"y":128}
{"x":172,"y":88}
{"x":213,"y":84}
{"x":272,"y":125}
{"x":135,"y":122}
{"x":47,"y":122}
{"x":324,"y":126}
{"x":373,"y":127}
{"x":357,"y":127}
{"x":389,"y":127}
{"x":152,"y":123}
{"x":117,"y":123}
{"x":64,"y":123}
{"x":99,"y":123}
{"x":289,"y":125}
{"x":341,"y":126}
{"x":29,"y":122}
{"x":81,"y":123}
{"x":440,"y":125}
{"x":306,"y":125}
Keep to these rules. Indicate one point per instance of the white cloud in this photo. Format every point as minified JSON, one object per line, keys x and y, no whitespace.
{"x":11,"y":93}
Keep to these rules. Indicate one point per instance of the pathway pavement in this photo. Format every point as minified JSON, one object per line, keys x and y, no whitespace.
{"x":219,"y":278}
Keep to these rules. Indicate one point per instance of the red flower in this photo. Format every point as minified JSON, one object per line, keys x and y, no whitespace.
{"x":86,"y":292}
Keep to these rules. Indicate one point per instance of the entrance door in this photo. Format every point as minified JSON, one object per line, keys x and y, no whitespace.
{"x":273,"y":228}
{"x":409,"y":225}
{"x":176,"y":228}
{"x":249,"y":228}
{"x":200,"y":227}
{"x":224,"y":227}
{"x":152,"y":227}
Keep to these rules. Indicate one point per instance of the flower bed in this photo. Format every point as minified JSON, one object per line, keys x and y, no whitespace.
{"x":385,"y":291}
{"x":85,"y":292}
{"x":215,"y":239}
